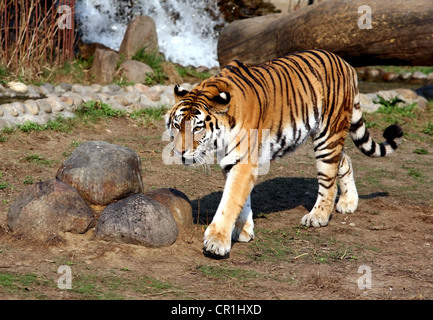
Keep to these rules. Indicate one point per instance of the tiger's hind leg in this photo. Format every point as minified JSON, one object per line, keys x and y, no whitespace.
{"x":348,"y":201}
{"x":328,"y":153}
{"x":244,"y":226}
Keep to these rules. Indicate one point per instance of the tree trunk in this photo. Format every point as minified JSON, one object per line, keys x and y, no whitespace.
{"x":400,"y":32}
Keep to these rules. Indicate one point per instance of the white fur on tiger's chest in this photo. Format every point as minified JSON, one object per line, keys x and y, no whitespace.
{"x":286,"y":142}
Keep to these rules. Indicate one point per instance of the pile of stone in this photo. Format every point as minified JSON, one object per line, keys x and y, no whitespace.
{"x":379,"y":75}
{"x":100,"y":186}
{"x":370,"y":101}
{"x":41,"y":103}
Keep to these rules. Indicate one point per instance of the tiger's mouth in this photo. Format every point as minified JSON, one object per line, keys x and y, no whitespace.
{"x":195,"y":158}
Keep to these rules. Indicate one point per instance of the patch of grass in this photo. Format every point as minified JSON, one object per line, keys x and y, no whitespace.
{"x":123,"y":82}
{"x":420,"y":151}
{"x":429,"y":128}
{"x":87,"y":114}
{"x":34,"y":158}
{"x":3,"y":75}
{"x":415,"y":173}
{"x":403,"y":69}
{"x":23,"y":285}
{"x":393,"y":112}
{"x":74,"y":71}
{"x":155,"y":61}
{"x":147,"y":116}
{"x":299,"y":243}
{"x":187,"y":71}
{"x":115,"y":287}
{"x":60,"y":124}
{"x":8,"y":130}
{"x":95,"y":110}
{"x":3,"y":184}
{"x":28,"y":179}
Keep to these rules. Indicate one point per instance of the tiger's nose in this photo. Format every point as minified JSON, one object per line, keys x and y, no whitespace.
{"x":181,"y":153}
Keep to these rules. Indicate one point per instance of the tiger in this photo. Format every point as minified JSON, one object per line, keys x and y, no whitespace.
{"x":312,"y":93}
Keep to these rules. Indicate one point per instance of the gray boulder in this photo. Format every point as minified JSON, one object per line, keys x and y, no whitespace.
{"x":102,"y":172}
{"x":135,"y":71}
{"x":137,"y":220}
{"x":104,"y":65}
{"x":49,"y":207}
{"x":177,"y":202}
{"x":141,"y":33}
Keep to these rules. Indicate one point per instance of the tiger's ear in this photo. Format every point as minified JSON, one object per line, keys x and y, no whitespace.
{"x":179,"y":92}
{"x":222,"y":98}
{"x":221,"y":102}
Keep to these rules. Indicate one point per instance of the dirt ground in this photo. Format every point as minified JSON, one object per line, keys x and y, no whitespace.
{"x":382,"y":251}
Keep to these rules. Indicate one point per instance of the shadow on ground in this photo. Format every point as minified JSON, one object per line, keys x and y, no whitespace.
{"x":269,"y":196}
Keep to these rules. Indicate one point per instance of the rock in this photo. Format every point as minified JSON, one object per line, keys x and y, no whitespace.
{"x":33,"y":92}
{"x":387,"y":94}
{"x":68,"y":100}
{"x":177,"y":202}
{"x":59,"y":90}
{"x":56,"y":104}
{"x":111,"y":88}
{"x":49,"y":207}
{"x":141,"y":87}
{"x":90,"y":95}
{"x":426,"y":92}
{"x":19,"y":106}
{"x":102,"y":172}
{"x":71,"y":98}
{"x":121,"y":100}
{"x":167,"y":97}
{"x":44,"y":105}
{"x":49,"y":88}
{"x":389,"y":76}
{"x":406,"y":94}
{"x":153,"y":95}
{"x":65,"y":86}
{"x":170,"y":71}
{"x":418,"y":75}
{"x":18,"y":87}
{"x":96,"y":87}
{"x":405,"y":76}
{"x":104,"y":65}
{"x":135,"y":71}
{"x":5,"y":124}
{"x":421,"y":102}
{"x":141,"y":33}
{"x":145,"y":102}
{"x":79,"y":88}
{"x":373,"y":74}
{"x":12,"y":110}
{"x":137,"y":220}
{"x":32,"y":107}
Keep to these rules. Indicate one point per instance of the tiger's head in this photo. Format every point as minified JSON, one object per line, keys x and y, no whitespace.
{"x":198,"y":119}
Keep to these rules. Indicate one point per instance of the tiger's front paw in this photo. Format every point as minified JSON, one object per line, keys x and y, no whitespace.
{"x":313,"y":220}
{"x":217,"y":243}
{"x":347,"y":203}
{"x":243,"y":233}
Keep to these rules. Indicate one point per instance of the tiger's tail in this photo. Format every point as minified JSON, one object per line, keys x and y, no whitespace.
{"x":362,"y":139}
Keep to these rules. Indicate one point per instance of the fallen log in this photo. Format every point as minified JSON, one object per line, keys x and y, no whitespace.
{"x":363,"y":32}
